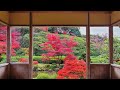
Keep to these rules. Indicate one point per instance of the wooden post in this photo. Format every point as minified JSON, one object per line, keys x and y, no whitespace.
{"x":8,"y":48}
{"x":110,"y":48}
{"x":110,"y":44}
{"x":88,"y":47}
{"x":30,"y":47}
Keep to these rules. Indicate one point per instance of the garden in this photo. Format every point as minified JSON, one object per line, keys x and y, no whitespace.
{"x":58,"y":52}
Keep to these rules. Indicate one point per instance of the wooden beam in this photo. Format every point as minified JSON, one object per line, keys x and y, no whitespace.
{"x":30,"y":47}
{"x":60,"y":25}
{"x":88,"y":47}
{"x":3,"y":23}
{"x":114,"y":23}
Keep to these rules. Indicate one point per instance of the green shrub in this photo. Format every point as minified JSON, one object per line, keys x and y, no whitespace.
{"x":3,"y":59}
{"x":53,"y":66}
{"x":44,"y":75}
{"x":98,"y":60}
{"x":35,"y":67}
{"x":41,"y":67}
{"x":20,"y":52}
{"x":61,"y":66}
{"x":57,"y":69}
{"x":16,"y":58}
{"x":55,"y":61}
{"x":118,"y":63}
{"x":47,"y":67}
{"x":53,"y":76}
{"x":37,"y":58}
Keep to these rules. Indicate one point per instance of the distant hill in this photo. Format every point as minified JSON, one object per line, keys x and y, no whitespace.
{"x":74,"y":31}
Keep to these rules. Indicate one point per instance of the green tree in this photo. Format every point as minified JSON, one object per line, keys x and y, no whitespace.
{"x":68,"y":30}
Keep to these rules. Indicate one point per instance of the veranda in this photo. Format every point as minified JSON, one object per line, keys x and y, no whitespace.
{"x":18,"y":70}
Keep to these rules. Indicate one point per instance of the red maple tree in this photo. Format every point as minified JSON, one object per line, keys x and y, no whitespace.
{"x":73,"y":68}
{"x":3,"y":36}
{"x":3,"y":40}
{"x":55,"y":46}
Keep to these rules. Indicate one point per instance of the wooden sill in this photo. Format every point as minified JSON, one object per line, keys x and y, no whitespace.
{"x":4,"y":64}
{"x":19,"y":63}
{"x":115,"y":65}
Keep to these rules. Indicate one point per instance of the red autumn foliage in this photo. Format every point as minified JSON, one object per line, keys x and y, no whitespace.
{"x":55,"y":46}
{"x":70,"y":57}
{"x":26,"y":60}
{"x":35,"y":62}
{"x":23,"y":60}
{"x":3,"y":35}
{"x":3,"y":39}
{"x":73,"y":69}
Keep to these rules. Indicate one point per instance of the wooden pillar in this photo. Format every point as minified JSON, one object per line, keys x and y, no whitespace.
{"x":88,"y":47}
{"x":8,"y":48}
{"x":110,"y":48}
{"x":110,"y":45}
{"x":30,"y":47}
{"x":8,"y":44}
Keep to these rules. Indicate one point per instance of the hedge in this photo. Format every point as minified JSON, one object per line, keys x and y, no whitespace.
{"x":35,"y":58}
